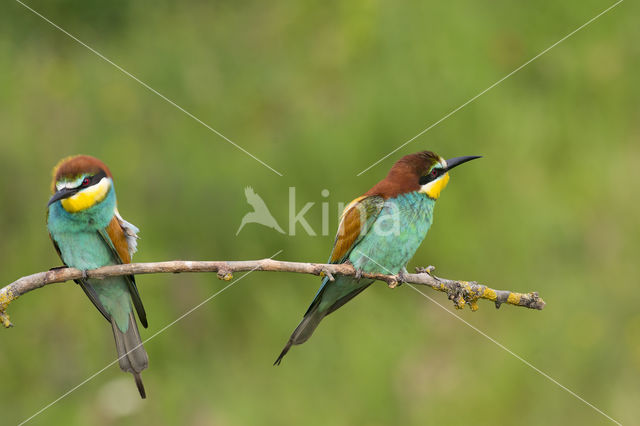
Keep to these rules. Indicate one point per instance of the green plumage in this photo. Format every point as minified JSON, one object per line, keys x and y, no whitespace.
{"x":80,"y":238}
{"x":380,"y":232}
{"x":392,"y":230}
{"x":83,"y":243}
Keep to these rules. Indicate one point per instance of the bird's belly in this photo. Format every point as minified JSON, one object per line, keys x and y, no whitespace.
{"x":83,"y":250}
{"x":395,"y":237}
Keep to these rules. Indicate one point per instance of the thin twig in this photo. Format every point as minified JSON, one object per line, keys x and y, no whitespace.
{"x":460,"y":292}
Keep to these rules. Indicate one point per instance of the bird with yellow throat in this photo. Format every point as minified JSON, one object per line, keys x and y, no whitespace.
{"x":380,"y":232}
{"x":88,"y":232}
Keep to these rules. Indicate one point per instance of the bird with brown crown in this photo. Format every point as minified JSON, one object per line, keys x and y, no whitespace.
{"x":380,"y":232}
{"x":88,"y":232}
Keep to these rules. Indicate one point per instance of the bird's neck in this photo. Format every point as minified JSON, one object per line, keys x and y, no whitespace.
{"x":411,"y":206}
{"x":93,"y":218}
{"x":417,"y":198}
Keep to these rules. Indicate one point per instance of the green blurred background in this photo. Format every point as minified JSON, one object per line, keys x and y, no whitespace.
{"x":319,"y":91}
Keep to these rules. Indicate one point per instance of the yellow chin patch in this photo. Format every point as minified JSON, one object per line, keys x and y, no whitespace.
{"x":88,"y":197}
{"x":433,"y":189}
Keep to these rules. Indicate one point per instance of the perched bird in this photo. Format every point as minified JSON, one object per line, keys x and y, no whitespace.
{"x":380,"y":232}
{"x":88,"y":232}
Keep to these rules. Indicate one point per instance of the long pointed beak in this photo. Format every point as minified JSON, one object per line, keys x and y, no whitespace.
{"x":455,"y":162}
{"x":62,"y":194}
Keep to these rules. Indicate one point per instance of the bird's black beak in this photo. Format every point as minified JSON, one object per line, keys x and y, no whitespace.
{"x":62,"y":194}
{"x":454,"y":162}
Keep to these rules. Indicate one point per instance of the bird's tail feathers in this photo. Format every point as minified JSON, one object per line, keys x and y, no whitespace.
{"x":132,"y":356}
{"x":303,"y":331}
{"x":314,"y":315}
{"x":138,"y":378}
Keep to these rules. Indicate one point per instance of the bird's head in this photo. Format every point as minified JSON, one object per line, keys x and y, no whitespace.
{"x":80,"y":182}
{"x":423,"y":171}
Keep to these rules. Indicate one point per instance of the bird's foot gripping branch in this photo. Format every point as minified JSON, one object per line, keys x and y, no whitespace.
{"x":460,"y":292}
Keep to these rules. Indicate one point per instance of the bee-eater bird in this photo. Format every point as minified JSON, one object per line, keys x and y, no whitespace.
{"x":379,"y":232}
{"x":88,"y":232}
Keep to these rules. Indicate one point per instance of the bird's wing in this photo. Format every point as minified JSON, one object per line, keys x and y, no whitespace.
{"x":115,"y":237}
{"x":55,"y":245}
{"x":357,"y":218}
{"x":88,"y":290}
{"x":130,"y":232}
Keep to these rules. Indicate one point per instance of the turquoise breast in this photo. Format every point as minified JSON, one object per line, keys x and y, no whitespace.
{"x":396,"y":234}
{"x":76,"y":233}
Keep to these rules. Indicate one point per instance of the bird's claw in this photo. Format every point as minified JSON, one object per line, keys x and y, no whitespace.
{"x":402,"y":277}
{"x":358,"y":274}
{"x":85,"y":275}
{"x":326,"y":273}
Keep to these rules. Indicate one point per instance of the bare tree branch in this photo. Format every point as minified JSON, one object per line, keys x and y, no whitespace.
{"x":460,"y":292}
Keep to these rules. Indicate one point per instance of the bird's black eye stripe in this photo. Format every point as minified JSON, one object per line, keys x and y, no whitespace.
{"x":92,"y":180}
{"x":432,"y":175}
{"x":97,"y":177}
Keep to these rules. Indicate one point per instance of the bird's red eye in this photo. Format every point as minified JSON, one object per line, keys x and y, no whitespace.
{"x":85,"y":181}
{"x":434,"y":173}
